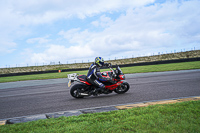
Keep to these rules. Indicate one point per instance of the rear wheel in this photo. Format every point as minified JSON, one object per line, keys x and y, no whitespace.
{"x":76,"y":90}
{"x":123,"y":88}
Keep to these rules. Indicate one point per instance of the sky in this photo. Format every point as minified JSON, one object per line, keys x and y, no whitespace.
{"x":43,"y":32}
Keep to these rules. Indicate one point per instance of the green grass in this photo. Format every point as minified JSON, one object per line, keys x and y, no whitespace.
{"x":135,"y":69}
{"x":163,"y":67}
{"x":169,"y":118}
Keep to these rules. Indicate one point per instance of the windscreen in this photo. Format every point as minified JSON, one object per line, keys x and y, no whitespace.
{"x":119,"y":69}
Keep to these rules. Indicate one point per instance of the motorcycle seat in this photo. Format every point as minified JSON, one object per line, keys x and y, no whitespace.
{"x":82,"y":77}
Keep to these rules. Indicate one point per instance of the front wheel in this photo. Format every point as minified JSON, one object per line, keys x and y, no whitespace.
{"x":75,"y":91}
{"x":123,"y":88}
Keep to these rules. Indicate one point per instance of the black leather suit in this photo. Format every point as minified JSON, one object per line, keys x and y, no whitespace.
{"x":94,"y":76}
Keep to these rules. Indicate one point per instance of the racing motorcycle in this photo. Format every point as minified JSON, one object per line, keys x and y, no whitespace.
{"x":84,"y":88}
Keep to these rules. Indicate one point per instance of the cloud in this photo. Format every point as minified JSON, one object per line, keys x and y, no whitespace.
{"x":39,"y":40}
{"x":61,"y":53}
{"x":142,"y":29}
{"x":139,"y":27}
{"x":7,"y":47}
{"x":19,"y":17}
{"x":103,"y":22}
{"x":45,"y":11}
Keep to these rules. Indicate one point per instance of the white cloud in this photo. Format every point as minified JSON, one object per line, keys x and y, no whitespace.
{"x":45,"y":11}
{"x":61,"y":53}
{"x":39,"y":40}
{"x":7,"y":47}
{"x":140,"y":30}
{"x":103,"y":22}
{"x":18,"y":17}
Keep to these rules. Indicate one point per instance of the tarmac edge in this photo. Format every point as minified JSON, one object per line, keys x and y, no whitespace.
{"x":147,"y":103}
{"x":95,"y":110}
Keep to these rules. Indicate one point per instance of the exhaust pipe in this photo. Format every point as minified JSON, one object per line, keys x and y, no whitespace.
{"x":83,"y":94}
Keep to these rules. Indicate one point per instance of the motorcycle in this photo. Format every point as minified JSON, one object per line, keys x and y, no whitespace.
{"x":84,"y":88}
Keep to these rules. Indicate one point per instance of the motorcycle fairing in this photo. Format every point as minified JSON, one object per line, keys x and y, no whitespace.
{"x":113,"y":86}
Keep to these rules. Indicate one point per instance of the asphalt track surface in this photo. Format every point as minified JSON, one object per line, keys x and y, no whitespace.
{"x":46,"y":96}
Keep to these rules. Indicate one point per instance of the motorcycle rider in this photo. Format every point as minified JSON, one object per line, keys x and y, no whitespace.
{"x":94,"y":75}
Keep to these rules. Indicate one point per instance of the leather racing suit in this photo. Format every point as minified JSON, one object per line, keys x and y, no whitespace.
{"x":94,"y":77}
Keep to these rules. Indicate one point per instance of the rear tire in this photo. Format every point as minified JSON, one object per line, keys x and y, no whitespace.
{"x":123,"y":88}
{"x":76,"y":90}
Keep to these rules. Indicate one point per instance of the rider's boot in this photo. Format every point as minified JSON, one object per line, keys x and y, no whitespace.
{"x":95,"y":92}
{"x":101,"y":89}
{"x":98,"y":91}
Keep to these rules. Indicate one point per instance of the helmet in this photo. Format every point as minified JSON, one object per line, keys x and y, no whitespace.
{"x":99,"y":61}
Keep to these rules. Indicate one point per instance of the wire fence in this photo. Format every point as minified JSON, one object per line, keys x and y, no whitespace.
{"x":91,"y":60}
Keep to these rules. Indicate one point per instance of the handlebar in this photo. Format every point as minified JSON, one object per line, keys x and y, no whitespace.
{"x":114,"y":74}
{"x":109,"y":65}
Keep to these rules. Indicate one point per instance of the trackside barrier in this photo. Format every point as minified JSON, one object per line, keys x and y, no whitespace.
{"x":124,"y":65}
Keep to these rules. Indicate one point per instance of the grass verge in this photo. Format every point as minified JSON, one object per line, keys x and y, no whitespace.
{"x":178,"y":117}
{"x":135,"y":69}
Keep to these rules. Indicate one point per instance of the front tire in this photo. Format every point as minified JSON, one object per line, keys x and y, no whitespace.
{"x":76,"y":90}
{"x":123,"y":88}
